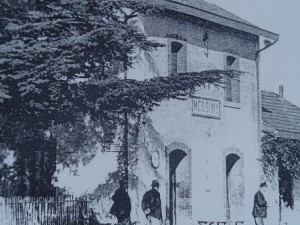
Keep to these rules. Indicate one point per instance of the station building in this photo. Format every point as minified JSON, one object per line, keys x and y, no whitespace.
{"x":203,"y":149}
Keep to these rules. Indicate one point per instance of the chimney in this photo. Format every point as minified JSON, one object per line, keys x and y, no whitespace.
{"x":281,"y":91}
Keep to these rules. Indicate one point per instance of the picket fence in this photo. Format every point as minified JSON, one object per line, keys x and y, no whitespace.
{"x":44,"y":211}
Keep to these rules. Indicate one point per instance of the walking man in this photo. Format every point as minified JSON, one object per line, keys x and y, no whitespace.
{"x":151,"y":205}
{"x":260,"y":205}
{"x":122,"y":205}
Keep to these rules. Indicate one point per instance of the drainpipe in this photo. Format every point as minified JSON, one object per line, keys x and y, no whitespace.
{"x":257,"y":59}
{"x":259,"y":115}
{"x":268,"y":44}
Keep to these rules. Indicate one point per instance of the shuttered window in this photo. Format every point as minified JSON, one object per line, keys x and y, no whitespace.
{"x":177,"y":58}
{"x":232,"y":84}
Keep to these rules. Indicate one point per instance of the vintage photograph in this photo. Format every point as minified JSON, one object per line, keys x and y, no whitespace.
{"x":149,"y":112}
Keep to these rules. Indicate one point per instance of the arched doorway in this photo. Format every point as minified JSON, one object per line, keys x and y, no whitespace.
{"x":234,"y":186}
{"x":180,"y":185}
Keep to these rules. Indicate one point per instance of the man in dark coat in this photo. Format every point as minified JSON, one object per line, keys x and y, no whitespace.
{"x":122,"y":205}
{"x":151,"y":204}
{"x":260,"y":205}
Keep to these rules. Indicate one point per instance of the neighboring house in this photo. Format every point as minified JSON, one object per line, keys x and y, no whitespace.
{"x":203,"y":150}
{"x":282,"y":118}
{"x":281,"y":115}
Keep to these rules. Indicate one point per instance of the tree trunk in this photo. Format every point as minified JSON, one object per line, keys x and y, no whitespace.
{"x":280,"y":208}
{"x":125,"y":147}
{"x":125,"y":137}
{"x":21,"y":169}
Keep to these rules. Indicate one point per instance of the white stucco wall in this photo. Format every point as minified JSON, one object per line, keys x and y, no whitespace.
{"x":211,"y":139}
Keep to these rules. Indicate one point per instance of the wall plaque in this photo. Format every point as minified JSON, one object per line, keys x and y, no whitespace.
{"x":205,"y":107}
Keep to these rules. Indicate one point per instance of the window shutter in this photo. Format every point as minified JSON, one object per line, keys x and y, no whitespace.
{"x":182,"y":60}
{"x":235,"y":89}
{"x":228,"y":89}
{"x":177,"y":57}
{"x":173,"y":63}
{"x":232,"y":84}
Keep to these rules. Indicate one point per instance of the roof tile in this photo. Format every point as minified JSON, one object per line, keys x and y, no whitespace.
{"x":279,"y":113}
{"x":212,"y":8}
{"x":215,"y":14}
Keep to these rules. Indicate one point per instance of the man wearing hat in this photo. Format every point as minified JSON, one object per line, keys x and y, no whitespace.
{"x":260,"y":205}
{"x":151,"y":205}
{"x":122,"y":205}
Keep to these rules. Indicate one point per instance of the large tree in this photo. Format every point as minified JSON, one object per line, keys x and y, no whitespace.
{"x":61,"y":61}
{"x":52,"y":53}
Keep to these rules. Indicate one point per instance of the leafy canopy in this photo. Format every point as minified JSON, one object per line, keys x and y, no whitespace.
{"x":61,"y":60}
{"x":278,"y":152}
{"x":49,"y":47}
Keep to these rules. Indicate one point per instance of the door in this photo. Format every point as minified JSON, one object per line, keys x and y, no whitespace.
{"x":234,"y":187}
{"x":180,"y":187}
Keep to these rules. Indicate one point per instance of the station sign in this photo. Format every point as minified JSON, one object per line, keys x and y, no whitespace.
{"x":205,"y":107}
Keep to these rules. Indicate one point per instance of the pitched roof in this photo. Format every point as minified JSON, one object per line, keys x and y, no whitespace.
{"x":216,"y":14}
{"x":212,"y":8}
{"x":280,"y":114}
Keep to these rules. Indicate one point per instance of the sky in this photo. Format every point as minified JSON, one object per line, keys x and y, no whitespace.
{"x":279,"y":64}
{"x":88,"y":176}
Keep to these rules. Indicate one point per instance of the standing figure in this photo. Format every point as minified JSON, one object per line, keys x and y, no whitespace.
{"x":260,"y":205}
{"x":151,"y":205}
{"x":122,"y":205}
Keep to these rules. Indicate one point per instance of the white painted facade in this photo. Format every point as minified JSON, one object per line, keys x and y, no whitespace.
{"x":209,"y":140}
{"x":206,"y":191}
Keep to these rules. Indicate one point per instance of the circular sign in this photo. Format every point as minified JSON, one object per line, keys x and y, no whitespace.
{"x":155,"y":159}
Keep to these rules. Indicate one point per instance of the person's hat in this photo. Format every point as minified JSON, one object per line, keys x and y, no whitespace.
{"x":263,"y":184}
{"x":155,"y":183}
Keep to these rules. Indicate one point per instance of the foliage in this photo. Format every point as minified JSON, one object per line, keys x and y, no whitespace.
{"x":280,"y":152}
{"x":119,"y":95}
{"x":47,"y":48}
{"x":105,"y":101}
{"x":281,"y":159}
{"x":80,"y":141}
{"x":61,"y":61}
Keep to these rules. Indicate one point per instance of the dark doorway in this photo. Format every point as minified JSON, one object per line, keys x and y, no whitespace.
{"x":180,"y":186}
{"x":234,"y":186}
{"x":285,"y":187}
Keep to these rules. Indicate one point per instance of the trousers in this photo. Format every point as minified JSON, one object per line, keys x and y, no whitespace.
{"x":259,"y":221}
{"x":154,"y":221}
{"x":124,"y":221}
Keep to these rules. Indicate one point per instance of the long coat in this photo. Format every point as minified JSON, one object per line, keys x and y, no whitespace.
{"x":122,"y":205}
{"x":151,"y":200}
{"x":260,"y":205}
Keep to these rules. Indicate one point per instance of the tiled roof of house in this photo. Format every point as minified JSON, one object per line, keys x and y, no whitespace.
{"x":216,"y":14}
{"x":212,"y":8}
{"x":279,"y":113}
